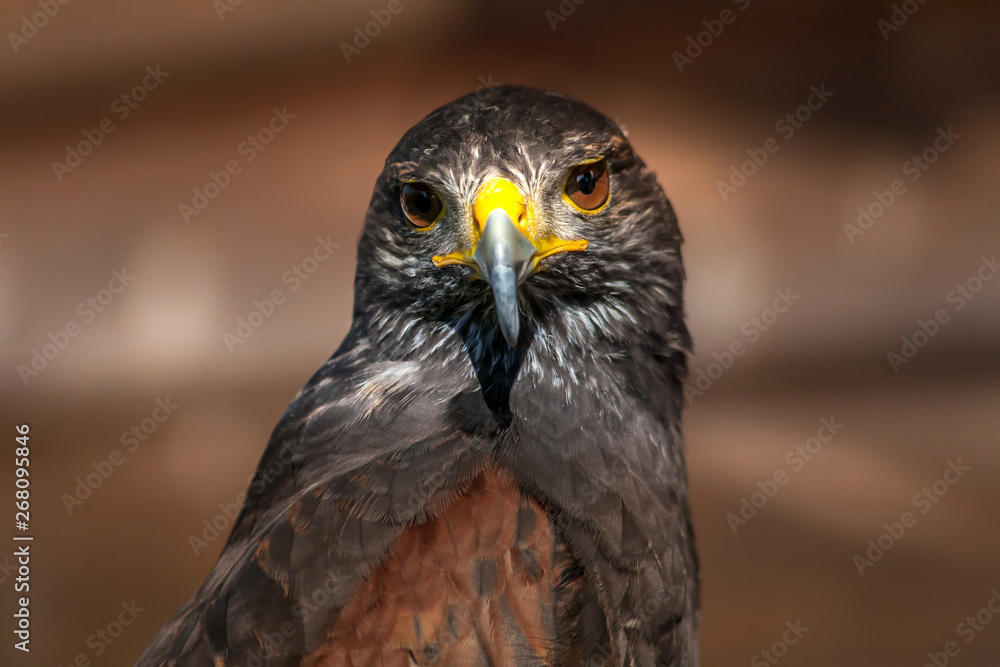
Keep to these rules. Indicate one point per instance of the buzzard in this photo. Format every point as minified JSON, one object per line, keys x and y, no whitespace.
{"x":489,"y":470}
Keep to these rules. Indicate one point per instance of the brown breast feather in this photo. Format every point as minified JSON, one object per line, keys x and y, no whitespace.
{"x":472,"y":586}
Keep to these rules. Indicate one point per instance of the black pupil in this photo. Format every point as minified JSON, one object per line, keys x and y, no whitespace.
{"x":422,"y":202}
{"x":586,"y":181}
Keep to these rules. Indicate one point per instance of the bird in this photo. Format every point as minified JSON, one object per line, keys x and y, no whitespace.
{"x":490,"y":468}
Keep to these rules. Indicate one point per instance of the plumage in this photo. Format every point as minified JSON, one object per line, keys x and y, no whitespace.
{"x":440,"y":494}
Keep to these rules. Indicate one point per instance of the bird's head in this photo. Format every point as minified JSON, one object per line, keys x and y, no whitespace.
{"x":512,"y":204}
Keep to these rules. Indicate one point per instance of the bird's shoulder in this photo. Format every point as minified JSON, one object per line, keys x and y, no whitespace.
{"x":369,"y":448}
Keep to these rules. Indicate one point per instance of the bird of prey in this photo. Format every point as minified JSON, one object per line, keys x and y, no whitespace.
{"x":489,"y":470}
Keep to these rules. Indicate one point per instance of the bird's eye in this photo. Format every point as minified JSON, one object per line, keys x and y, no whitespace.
{"x":587,"y":185}
{"x":421,"y":206}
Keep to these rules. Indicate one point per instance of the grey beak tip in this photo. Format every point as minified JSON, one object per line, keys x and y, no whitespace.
{"x":510,"y":332}
{"x":503,"y":255}
{"x":504,"y":283}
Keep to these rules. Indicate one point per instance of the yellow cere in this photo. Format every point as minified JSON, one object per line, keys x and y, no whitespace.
{"x":504,"y":194}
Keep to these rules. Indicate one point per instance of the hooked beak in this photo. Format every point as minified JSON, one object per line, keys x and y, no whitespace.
{"x":507,"y":250}
{"x":503,"y":257}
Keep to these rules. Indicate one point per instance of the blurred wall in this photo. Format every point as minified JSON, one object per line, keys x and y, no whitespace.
{"x":831,"y":165}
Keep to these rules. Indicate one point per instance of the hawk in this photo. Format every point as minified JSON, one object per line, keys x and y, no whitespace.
{"x":489,"y":470}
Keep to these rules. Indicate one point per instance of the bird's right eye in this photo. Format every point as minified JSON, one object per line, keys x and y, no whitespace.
{"x":420,"y":205}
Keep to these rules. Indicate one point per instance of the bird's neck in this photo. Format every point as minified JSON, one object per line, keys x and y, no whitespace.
{"x":565,"y":357}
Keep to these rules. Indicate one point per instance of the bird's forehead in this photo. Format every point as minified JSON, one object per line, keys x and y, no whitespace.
{"x":522,"y":134}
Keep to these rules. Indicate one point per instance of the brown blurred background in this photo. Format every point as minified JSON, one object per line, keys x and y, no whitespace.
{"x":825,"y":357}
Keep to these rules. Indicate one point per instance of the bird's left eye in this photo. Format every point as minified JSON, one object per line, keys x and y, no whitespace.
{"x":587,"y":185}
{"x":421,"y":206}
